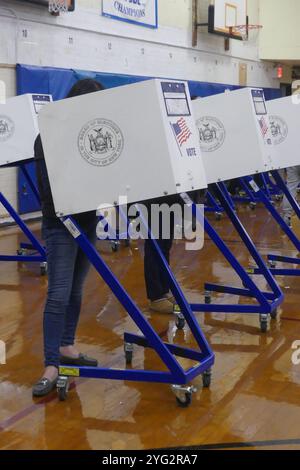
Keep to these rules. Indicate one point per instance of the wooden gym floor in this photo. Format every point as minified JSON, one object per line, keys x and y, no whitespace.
{"x":254,"y":400}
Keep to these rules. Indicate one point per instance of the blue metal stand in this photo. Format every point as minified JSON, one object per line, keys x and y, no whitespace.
{"x":34,"y":243}
{"x":30,"y":182}
{"x":227,"y":195}
{"x":213,"y":206}
{"x":267,"y":302}
{"x":175,"y":375}
{"x":251,"y":197}
{"x":283,"y":225}
{"x":274,"y":189}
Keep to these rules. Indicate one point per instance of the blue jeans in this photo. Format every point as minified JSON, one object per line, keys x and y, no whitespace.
{"x":67,"y":269}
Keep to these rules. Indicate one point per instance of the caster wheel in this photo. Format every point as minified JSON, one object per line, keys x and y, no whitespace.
{"x":184,"y":401}
{"x":115,"y":247}
{"x":252,"y":206}
{"x":263,"y":323}
{"x":274,"y":315}
{"x":264,"y":327}
{"x":128,"y":358}
{"x":21,"y":252}
{"x":206,"y":378}
{"x":272,"y":265}
{"x":128,"y":349}
{"x":207,"y":299}
{"x":62,"y":394}
{"x":127,"y":243}
{"x":62,"y":388}
{"x":218,"y":216}
{"x":180,"y":323}
{"x":43,"y":269}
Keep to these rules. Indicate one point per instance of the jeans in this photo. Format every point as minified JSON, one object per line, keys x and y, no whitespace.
{"x":67,"y":269}
{"x":293,"y":180}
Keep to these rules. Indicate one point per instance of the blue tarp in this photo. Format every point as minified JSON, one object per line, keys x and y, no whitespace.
{"x":57,"y":82}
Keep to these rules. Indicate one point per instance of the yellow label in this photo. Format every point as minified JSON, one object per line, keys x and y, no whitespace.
{"x":250,"y":271}
{"x":69,"y":371}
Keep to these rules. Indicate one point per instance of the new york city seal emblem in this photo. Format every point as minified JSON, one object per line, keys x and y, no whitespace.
{"x":100,"y":142}
{"x":7,"y":128}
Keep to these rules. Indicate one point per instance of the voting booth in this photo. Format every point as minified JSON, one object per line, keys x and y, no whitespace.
{"x":18,"y":131}
{"x":238,"y":138}
{"x":19,"y":127}
{"x":236,"y":141}
{"x":235,"y":135}
{"x":284,"y":121}
{"x":138,"y":141}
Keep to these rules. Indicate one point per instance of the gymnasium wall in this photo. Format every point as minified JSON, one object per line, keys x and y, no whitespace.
{"x":87,"y":41}
{"x":280,"y":38}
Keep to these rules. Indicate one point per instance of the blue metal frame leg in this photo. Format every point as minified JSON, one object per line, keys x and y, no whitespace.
{"x":29,"y":246}
{"x":31,"y":183}
{"x":267,"y":302}
{"x":250,"y":195}
{"x":273,"y":187}
{"x":283,"y":225}
{"x":175,"y":375}
{"x":213,"y":205}
{"x":34,"y":243}
{"x":227,"y":195}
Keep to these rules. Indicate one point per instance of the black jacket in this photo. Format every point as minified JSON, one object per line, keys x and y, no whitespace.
{"x":45,"y":189}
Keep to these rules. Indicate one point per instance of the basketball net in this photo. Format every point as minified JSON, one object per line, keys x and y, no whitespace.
{"x":247,"y":32}
{"x":58,"y":6}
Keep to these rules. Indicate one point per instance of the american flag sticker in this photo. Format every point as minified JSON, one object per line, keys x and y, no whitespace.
{"x":181,"y":131}
{"x":264,"y":126}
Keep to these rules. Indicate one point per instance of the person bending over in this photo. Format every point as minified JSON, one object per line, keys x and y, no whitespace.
{"x":67,"y":269}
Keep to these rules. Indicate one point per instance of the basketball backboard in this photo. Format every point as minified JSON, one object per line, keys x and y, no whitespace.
{"x":225,"y":15}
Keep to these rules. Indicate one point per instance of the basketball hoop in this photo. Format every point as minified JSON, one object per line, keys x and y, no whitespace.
{"x":247,"y":32}
{"x":58,"y":6}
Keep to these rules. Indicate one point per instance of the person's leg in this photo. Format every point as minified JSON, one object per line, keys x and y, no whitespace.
{"x":152,"y":270}
{"x":81,"y":269}
{"x":293,"y":180}
{"x":61,"y":255}
{"x":165,"y":246}
{"x":156,"y":278}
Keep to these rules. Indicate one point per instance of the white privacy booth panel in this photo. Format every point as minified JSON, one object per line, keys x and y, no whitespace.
{"x":138,"y":141}
{"x":234,"y":133}
{"x":285,"y":127}
{"x":19,"y":127}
